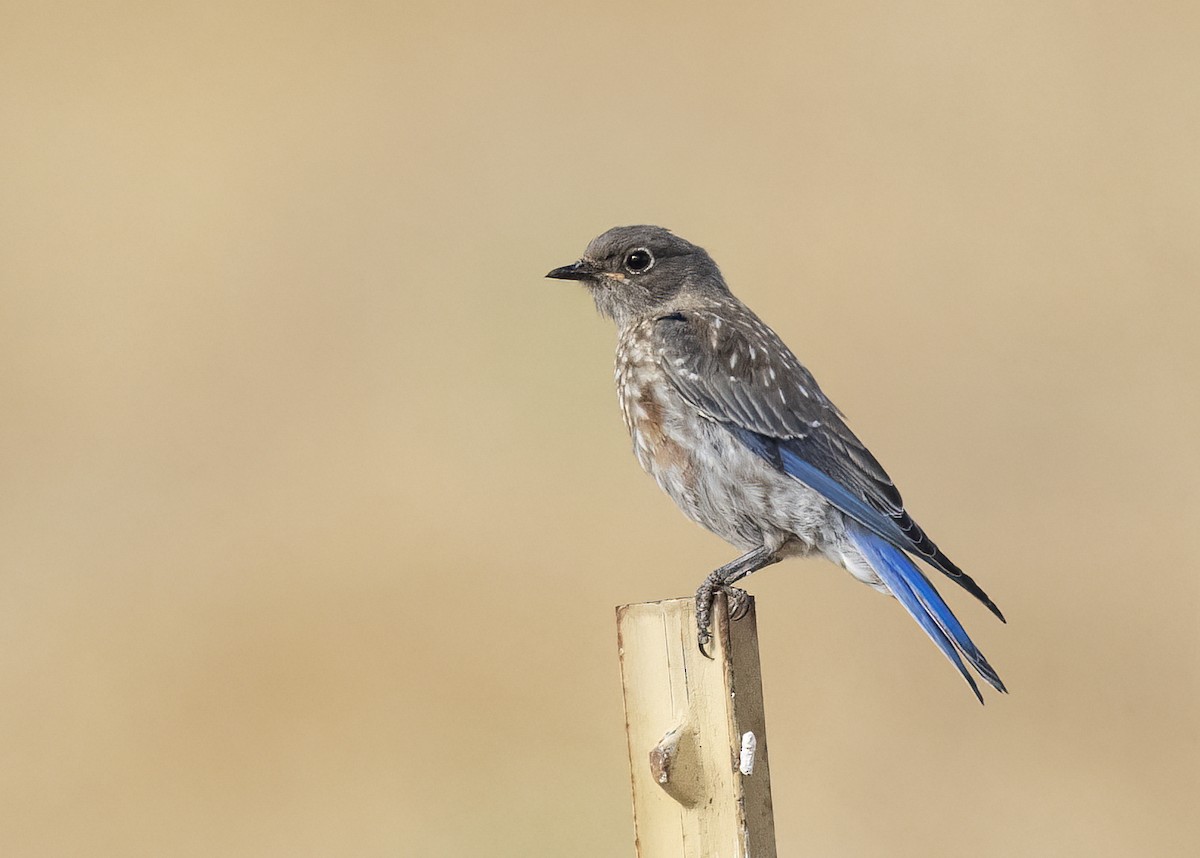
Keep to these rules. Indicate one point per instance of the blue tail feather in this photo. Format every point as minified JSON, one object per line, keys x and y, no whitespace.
{"x":921,"y":600}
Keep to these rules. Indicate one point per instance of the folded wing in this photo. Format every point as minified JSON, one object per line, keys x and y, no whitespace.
{"x":737,"y":372}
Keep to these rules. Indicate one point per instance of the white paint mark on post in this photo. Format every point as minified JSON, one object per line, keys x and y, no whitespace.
{"x":749,"y":746}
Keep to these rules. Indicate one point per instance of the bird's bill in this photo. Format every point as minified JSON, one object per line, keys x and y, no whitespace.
{"x":581,"y":270}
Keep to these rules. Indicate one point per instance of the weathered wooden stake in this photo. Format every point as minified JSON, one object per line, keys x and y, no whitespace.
{"x":697,"y":736}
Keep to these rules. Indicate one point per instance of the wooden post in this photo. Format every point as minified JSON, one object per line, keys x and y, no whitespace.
{"x":697,"y":736}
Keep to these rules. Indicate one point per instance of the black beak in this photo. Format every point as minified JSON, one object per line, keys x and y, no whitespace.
{"x":581,"y":270}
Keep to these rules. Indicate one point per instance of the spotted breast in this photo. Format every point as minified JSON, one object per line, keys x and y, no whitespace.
{"x":714,"y":479}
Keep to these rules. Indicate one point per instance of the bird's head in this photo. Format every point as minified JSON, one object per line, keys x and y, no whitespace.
{"x":638,"y":271}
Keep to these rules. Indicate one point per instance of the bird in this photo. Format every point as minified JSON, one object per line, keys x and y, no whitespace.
{"x":738,"y":433}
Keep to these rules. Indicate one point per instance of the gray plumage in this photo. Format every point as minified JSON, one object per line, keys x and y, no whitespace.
{"x":740,"y":435}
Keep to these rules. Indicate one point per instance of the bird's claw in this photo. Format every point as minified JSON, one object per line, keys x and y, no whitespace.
{"x":704,"y":602}
{"x":737,"y":603}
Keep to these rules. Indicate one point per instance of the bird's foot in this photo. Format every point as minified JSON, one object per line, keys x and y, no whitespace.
{"x":737,"y":602}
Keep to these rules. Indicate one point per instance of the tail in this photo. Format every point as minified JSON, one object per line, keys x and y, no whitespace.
{"x":918,"y":597}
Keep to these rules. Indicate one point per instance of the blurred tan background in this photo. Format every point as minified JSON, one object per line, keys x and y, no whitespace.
{"x":317,"y":499}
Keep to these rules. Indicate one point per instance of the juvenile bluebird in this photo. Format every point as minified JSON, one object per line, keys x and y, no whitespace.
{"x":737,"y":432}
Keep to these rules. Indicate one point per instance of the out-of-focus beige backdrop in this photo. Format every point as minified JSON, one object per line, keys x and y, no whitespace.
{"x":316,"y":497}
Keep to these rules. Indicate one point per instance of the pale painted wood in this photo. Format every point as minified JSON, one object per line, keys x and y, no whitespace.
{"x":686,"y":716}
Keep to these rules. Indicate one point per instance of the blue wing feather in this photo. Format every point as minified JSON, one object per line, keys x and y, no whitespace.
{"x":837,"y":494}
{"x":921,"y":600}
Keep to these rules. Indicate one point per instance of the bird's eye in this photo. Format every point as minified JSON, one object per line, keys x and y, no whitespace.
{"x":638,"y":261}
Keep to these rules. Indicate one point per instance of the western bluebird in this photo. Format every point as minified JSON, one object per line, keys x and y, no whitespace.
{"x":737,"y":432}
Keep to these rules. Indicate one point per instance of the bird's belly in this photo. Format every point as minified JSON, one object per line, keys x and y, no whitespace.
{"x":718,"y":482}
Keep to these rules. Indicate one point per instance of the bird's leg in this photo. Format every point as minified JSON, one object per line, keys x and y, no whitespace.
{"x":722,"y":581}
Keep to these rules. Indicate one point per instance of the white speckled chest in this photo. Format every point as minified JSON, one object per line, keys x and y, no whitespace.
{"x":713,"y":478}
